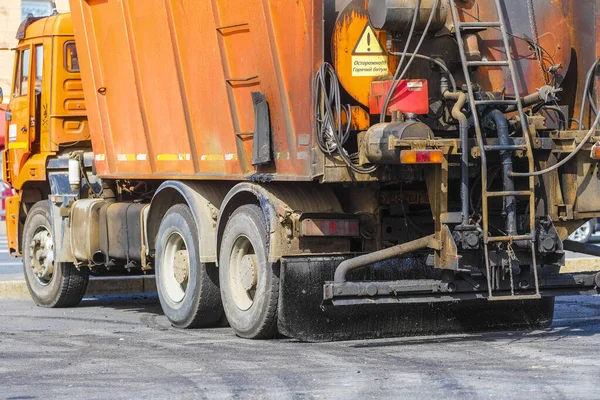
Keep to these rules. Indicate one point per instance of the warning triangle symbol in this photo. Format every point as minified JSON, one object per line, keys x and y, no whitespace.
{"x":368,"y":44}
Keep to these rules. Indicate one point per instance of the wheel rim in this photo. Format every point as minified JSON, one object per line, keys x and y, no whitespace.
{"x":581,"y":233}
{"x":243,"y":273}
{"x":41,"y":256}
{"x":175,"y":271}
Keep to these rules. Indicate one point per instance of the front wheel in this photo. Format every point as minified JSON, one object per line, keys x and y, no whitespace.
{"x":51,"y":284}
{"x":249,"y":282}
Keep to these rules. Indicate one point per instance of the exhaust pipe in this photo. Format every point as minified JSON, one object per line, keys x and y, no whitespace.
{"x":99,"y":258}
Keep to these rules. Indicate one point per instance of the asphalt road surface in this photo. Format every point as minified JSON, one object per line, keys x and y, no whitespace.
{"x":124,"y":349}
{"x":10,"y":268}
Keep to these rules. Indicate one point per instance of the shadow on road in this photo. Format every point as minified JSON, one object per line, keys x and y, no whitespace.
{"x":574,"y":317}
{"x":135,"y":303}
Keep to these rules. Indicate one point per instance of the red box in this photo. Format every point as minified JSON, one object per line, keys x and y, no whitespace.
{"x":411,"y":96}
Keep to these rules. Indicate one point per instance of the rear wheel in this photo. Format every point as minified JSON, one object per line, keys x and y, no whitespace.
{"x":188,"y":289}
{"x":51,"y":284}
{"x":249,"y":282}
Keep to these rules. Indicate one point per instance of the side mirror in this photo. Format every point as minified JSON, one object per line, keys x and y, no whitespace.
{"x":1,"y":96}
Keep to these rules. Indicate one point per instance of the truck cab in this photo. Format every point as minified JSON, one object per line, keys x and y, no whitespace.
{"x":46,"y":112}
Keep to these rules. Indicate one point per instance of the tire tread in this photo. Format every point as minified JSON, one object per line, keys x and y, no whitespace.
{"x":268,"y":328}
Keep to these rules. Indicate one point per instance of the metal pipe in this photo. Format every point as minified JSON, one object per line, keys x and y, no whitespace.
{"x":463,"y":126}
{"x":510,"y":205}
{"x":382,"y":255}
{"x":527,"y":101}
{"x":99,"y":258}
{"x":583,"y":248}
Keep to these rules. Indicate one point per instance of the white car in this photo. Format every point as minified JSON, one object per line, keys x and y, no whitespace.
{"x":585,"y":232}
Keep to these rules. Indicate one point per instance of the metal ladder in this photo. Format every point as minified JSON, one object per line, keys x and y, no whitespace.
{"x":484,"y":149}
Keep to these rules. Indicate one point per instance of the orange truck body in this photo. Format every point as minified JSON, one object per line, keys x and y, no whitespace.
{"x":173,"y":100}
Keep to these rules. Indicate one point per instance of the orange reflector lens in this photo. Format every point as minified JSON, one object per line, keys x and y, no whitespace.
{"x":421,"y":156}
{"x":596,"y":151}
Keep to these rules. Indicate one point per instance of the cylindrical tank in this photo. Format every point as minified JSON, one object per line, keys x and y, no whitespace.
{"x":375,"y":145}
{"x":397,"y":15}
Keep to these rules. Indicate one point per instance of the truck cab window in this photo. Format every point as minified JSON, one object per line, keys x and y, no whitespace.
{"x":71,"y":60}
{"x":39,"y":67}
{"x":22,"y":75}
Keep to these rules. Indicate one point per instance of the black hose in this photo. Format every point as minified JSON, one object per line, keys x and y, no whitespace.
{"x":329,"y":123}
{"x":567,"y":158}
{"x":588,"y":84}
{"x":437,"y":62}
{"x":388,"y":97}
{"x":396,"y":82}
{"x":561,"y":115}
{"x":510,"y":205}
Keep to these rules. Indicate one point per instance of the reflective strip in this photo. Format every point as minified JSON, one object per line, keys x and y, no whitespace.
{"x":126,"y":157}
{"x":100,"y":157}
{"x":174,"y":157}
{"x":18,"y":145}
{"x":218,"y":157}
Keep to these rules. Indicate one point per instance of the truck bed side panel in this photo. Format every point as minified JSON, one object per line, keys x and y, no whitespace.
{"x":169,"y":84}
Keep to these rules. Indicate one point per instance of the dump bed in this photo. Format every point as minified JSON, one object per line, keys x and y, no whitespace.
{"x":169,"y":85}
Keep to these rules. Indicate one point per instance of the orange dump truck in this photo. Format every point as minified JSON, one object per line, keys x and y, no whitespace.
{"x":321,"y":169}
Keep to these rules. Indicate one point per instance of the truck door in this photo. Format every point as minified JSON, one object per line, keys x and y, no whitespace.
{"x":20,"y":113}
{"x":24,"y":107}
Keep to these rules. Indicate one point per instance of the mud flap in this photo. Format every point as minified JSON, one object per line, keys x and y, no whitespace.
{"x":304,"y":316}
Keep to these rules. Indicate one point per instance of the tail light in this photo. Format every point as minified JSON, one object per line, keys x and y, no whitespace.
{"x":329,"y":227}
{"x":421,"y":156}
{"x":596,"y":151}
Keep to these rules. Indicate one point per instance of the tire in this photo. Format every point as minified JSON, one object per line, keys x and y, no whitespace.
{"x":51,"y":285}
{"x":584,"y":233}
{"x":249,"y":283}
{"x":188,"y":290}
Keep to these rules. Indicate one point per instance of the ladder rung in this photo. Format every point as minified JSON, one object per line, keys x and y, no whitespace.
{"x":518,"y":238}
{"x":466,"y":25}
{"x":487,"y":63}
{"x":509,"y":297}
{"x":519,"y":193}
{"x":519,"y":176}
{"x":506,"y":147}
{"x":496,"y":102}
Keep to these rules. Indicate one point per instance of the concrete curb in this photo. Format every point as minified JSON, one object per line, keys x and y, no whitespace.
{"x":105,"y":286}
{"x":585,"y":264}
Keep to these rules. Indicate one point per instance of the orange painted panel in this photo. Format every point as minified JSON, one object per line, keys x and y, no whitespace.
{"x":176,"y":78}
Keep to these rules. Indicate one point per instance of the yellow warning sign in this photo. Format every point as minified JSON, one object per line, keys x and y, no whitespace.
{"x":368,"y":44}
{"x":369,"y":57}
